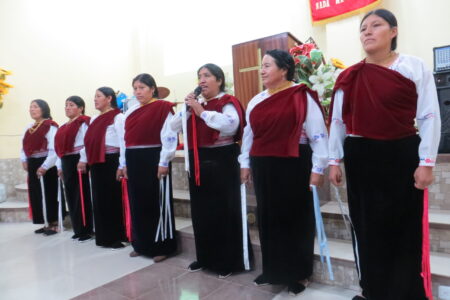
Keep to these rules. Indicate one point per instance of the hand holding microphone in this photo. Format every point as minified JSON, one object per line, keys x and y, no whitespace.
{"x":191,"y":101}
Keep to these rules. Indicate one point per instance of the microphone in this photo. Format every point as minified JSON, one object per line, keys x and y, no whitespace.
{"x":197,"y":91}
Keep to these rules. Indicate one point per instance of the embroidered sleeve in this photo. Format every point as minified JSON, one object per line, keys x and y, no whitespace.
{"x":428,"y":117}
{"x":227,"y":122}
{"x":337,"y":131}
{"x":318,"y":137}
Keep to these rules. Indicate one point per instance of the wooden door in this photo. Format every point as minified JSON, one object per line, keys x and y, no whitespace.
{"x":247,"y":63}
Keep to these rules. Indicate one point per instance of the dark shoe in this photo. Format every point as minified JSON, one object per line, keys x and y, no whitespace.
{"x":358,"y":297}
{"x":159,"y":258}
{"x":84,"y":238}
{"x":225,"y":274}
{"x":261,"y":280}
{"x":195,"y":266}
{"x":296,"y":288}
{"x":117,"y":245}
{"x":50,"y":231}
{"x":134,"y":254}
{"x":40,"y":230}
{"x":76,"y":236}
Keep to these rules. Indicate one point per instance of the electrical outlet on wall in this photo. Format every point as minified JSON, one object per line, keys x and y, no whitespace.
{"x":444,"y":292}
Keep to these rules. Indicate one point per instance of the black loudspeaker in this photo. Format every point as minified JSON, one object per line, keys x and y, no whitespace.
{"x":443,"y":91}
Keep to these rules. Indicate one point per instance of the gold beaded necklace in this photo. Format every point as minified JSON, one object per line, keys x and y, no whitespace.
{"x":35,"y":126}
{"x":109,"y":109}
{"x":151,"y":101}
{"x":71,"y":120}
{"x":281,"y":87}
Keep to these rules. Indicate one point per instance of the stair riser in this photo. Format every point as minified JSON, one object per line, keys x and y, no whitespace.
{"x":334,"y":226}
{"x":22,"y":195}
{"x":344,"y":271}
{"x":439,"y":192}
{"x":14,"y":215}
{"x":439,"y":234}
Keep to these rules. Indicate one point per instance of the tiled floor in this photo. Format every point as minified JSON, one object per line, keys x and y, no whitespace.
{"x":37,"y":267}
{"x":169,"y":280}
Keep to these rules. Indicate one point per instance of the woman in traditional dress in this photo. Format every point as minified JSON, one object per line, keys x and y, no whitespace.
{"x":387,"y":164}
{"x":38,"y":159}
{"x":102,"y":143}
{"x":285,"y":147}
{"x":214,"y":126}
{"x":150,"y":146}
{"x":69,"y":140}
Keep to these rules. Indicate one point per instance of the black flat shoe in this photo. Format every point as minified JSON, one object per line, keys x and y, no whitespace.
{"x":296,"y":288}
{"x":40,"y":230}
{"x":84,"y":238}
{"x":75,"y":236}
{"x":117,"y":245}
{"x":195,"y":266}
{"x":261,"y":280}
{"x":223,"y":275}
{"x":50,"y":232}
{"x":134,"y":254}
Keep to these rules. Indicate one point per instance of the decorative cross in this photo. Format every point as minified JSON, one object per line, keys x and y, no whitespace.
{"x":255,"y":68}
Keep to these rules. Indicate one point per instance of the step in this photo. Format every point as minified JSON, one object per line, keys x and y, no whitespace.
{"x":439,"y":221}
{"x":13,"y":210}
{"x":342,"y":260}
{"x":22,"y":192}
{"x":439,"y":191}
{"x":182,"y":206}
{"x":334,"y":224}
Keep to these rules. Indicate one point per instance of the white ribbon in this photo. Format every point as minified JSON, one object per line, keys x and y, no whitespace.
{"x":344,"y":210}
{"x":321,"y":236}
{"x":92,"y":201}
{"x":350,"y":228}
{"x":168,"y":208}
{"x":160,"y":225}
{"x":244,"y":226}
{"x":165,"y":214}
{"x":60,"y":219}
{"x":44,"y":204}
{"x":185,"y":139}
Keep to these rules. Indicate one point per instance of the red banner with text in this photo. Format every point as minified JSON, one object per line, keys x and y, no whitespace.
{"x":323,"y":11}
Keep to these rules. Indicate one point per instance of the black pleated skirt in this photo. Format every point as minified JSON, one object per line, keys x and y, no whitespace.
{"x":144,"y":191}
{"x":285,"y":215}
{"x":35,"y":192}
{"x":386,"y":212}
{"x":72,"y":193}
{"x":107,"y":202}
{"x":216,"y":210}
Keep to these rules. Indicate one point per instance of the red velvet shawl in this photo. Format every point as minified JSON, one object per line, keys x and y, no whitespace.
{"x":66,"y":134}
{"x":94,"y":140}
{"x":378,"y":103}
{"x":36,"y":142}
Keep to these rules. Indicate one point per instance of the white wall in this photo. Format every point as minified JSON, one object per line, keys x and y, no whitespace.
{"x":57,"y":48}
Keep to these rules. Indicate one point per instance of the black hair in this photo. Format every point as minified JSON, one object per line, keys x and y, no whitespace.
{"x":78,"y":101}
{"x":149,"y":81}
{"x":45,"y":109}
{"x":388,"y":17}
{"x":109,"y":92}
{"x":284,"y":61}
{"x":217,"y":72}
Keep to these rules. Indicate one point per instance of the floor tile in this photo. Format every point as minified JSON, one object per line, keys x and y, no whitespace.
{"x":101,"y":294}
{"x":189,"y":286}
{"x":318,"y":292}
{"x":239,"y":292}
{"x":56,"y":267}
{"x":142,"y":281}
